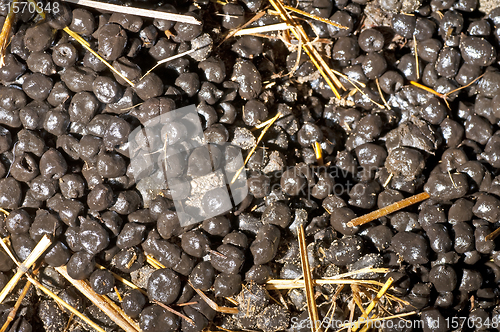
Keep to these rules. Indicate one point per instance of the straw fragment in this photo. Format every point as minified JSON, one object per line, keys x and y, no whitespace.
{"x":308,"y":282}
{"x":136,"y":11}
{"x":244,"y":25}
{"x":154,"y":263}
{"x":47,"y":291}
{"x":388,"y":209}
{"x":121,"y":312}
{"x":372,"y":304}
{"x":318,"y":152}
{"x":278,"y":284}
{"x":212,"y":304}
{"x":177,"y":56}
{"x":315,"y":17}
{"x":313,"y":54}
{"x":252,"y":151}
{"x":12,"y":313}
{"x":24,"y":267}
{"x":175,"y":312}
{"x":5,"y":33}
{"x":123,"y":280}
{"x":265,"y":28}
{"x":85,"y":44}
{"x":64,"y":304}
{"x":98,"y":300}
{"x":446,"y":95}
{"x":492,"y":235}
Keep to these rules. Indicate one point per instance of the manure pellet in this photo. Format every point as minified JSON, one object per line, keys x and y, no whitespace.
{"x":102,"y":281}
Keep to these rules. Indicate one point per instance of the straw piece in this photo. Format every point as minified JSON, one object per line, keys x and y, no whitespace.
{"x":358,"y":89}
{"x":357,"y":298}
{"x":131,"y":107}
{"x":180,"y":55}
{"x":233,"y":301}
{"x":389,"y":178}
{"x":85,"y":44}
{"x":154,"y":263}
{"x":465,"y":86}
{"x":308,"y":281}
{"x":416,"y":56}
{"x":388,"y":209}
{"x":297,"y":60}
{"x":132,"y":285}
{"x":121,"y":312}
{"x":244,"y":25}
{"x":4,"y":211}
{"x":355,"y":84}
{"x":118,"y":295}
{"x":136,"y":11}
{"x":5,"y":34}
{"x":492,"y":235}
{"x":278,"y":284}
{"x":372,"y":304}
{"x":314,"y":17}
{"x":40,"y":248}
{"x":70,"y":321}
{"x":313,"y":54}
{"x":131,"y":261}
{"x":263,"y":124}
{"x":334,"y":305}
{"x":124,"y":281}
{"x":388,"y":296}
{"x":382,"y":95}
{"x":351,"y":314}
{"x":381,"y":293}
{"x":426,"y":88}
{"x":266,"y":128}
{"x":12,"y":313}
{"x":98,"y":300}
{"x":434,"y":92}
{"x":451,"y":178}
{"x":363,"y":270}
{"x":24,"y":267}
{"x":265,"y":28}
{"x":212,"y":304}
{"x":186,"y":304}
{"x":349,"y":79}
{"x":64,"y":304}
{"x":175,"y":312}
{"x":318,"y":152}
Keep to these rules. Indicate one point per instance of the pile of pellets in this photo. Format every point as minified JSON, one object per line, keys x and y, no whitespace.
{"x":66,"y":171}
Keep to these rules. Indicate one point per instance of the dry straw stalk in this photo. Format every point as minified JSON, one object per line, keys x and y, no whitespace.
{"x":38,"y":251}
{"x":308,"y":282}
{"x":136,"y":11}
{"x":98,"y":300}
{"x":388,"y":209}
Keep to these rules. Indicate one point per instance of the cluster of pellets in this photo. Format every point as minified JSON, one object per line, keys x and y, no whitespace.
{"x":420,"y":113}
